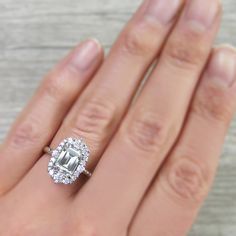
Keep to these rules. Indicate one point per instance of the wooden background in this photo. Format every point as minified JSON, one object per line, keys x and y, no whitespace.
{"x":34,"y":34}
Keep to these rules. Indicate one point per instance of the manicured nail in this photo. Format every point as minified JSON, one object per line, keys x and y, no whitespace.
{"x":162,"y":11}
{"x":223,"y":65}
{"x":202,"y":13}
{"x":86,"y":54}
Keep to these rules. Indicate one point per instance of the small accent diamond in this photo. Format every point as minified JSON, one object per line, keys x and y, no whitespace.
{"x":68,"y":161}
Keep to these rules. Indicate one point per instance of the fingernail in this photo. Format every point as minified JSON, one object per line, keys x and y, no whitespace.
{"x":162,"y":11}
{"x":222,"y":66}
{"x":202,"y":13}
{"x":86,"y":54}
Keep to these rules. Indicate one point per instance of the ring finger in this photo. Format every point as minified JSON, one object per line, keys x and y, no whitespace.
{"x":42,"y":117}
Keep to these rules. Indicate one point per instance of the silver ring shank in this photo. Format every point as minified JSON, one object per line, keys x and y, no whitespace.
{"x":49,"y":151}
{"x":87,"y":173}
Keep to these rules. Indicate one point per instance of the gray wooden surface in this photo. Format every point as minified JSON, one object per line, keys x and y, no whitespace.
{"x":34,"y":34}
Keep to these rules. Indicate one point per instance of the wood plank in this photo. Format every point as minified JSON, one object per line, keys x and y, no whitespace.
{"x":36,"y":33}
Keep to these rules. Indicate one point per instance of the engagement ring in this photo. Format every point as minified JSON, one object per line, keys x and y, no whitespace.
{"x":68,"y":160}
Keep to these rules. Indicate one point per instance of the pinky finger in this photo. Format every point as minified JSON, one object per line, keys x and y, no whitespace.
{"x":175,"y":197}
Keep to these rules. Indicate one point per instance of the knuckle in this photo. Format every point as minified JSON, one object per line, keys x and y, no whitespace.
{"x":147,"y":132}
{"x":26,"y":134}
{"x":56,"y":85}
{"x":96,"y":117}
{"x":214,"y":103}
{"x":139,"y":39}
{"x":85,"y":228}
{"x":52,"y":88}
{"x":61,"y":82}
{"x":184,"y":53}
{"x":187,"y":180}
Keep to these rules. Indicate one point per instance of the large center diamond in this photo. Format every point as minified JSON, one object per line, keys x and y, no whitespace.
{"x":68,"y":161}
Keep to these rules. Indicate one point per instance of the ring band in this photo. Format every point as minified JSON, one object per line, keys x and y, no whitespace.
{"x":68,"y":160}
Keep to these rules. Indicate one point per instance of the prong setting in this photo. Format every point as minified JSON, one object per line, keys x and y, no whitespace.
{"x":68,"y":161}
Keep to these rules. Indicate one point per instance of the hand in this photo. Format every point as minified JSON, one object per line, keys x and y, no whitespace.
{"x":155,"y":158}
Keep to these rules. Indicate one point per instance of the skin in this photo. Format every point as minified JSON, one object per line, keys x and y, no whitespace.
{"x":153,"y":157}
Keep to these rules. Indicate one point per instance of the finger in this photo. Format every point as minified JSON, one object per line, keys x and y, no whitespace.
{"x":185,"y":179}
{"x":152,"y":125}
{"x":98,"y":112}
{"x":40,"y":120}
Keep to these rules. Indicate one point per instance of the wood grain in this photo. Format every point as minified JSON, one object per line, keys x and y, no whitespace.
{"x":34,"y":34}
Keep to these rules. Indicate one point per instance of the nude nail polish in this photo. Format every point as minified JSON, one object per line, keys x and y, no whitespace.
{"x":222,"y":66}
{"x":162,"y":11}
{"x":86,"y":54}
{"x":202,"y":13}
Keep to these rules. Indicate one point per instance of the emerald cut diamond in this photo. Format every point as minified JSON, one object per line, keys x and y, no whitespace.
{"x":68,"y":161}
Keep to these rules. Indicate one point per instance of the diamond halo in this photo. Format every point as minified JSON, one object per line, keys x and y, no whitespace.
{"x":68,"y":161}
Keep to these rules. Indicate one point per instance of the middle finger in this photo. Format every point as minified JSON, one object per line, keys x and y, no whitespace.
{"x":152,"y":125}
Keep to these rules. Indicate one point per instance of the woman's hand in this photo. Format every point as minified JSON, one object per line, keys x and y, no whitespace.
{"x":155,"y":158}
